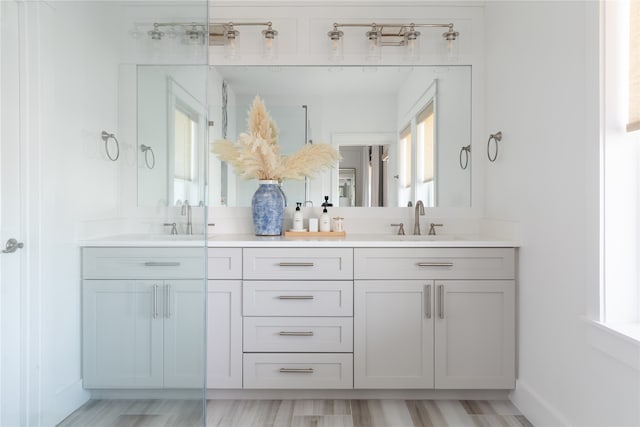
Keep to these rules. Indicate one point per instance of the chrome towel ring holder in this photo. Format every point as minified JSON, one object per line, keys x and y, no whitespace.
{"x":106,"y":136}
{"x":496,"y":137}
{"x":148,"y":150}
{"x":464,"y":160}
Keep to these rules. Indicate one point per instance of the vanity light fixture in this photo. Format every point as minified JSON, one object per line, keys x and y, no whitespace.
{"x":374,"y":44}
{"x":336,"y":47}
{"x":156,"y":34}
{"x":386,"y":34}
{"x":227,"y":35}
{"x":194,"y":33}
{"x":270,"y":45}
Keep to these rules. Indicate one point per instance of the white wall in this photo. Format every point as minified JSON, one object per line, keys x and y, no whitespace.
{"x":542,"y":93}
{"x":79,"y":100}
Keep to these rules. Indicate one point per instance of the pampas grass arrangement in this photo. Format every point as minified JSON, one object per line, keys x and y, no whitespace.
{"x":256,"y":154}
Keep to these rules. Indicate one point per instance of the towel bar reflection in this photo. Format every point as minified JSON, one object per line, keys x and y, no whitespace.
{"x":496,"y":137}
{"x":148,"y":150}
{"x":464,"y":161}
{"x":106,"y":136}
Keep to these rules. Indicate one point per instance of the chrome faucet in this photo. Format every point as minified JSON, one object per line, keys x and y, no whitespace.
{"x":419,"y":211}
{"x":186,"y":210}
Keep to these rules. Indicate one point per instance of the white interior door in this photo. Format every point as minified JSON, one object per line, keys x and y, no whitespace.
{"x":12,"y":337}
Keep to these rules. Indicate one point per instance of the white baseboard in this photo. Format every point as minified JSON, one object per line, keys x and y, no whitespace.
{"x":67,"y":400}
{"x":286,"y":394}
{"x":535,"y":408}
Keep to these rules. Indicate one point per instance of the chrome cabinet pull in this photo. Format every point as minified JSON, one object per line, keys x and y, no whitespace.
{"x":441,"y":301}
{"x":155,"y":301}
{"x":296,"y":264}
{"x":295,"y":297}
{"x":434,"y":264}
{"x":296,"y":370}
{"x":428,"y":301}
{"x":167,"y":301}
{"x":295,"y":334}
{"x":161,"y":264}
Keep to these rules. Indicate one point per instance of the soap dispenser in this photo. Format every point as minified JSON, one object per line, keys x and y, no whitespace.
{"x":325,"y":221}
{"x":297,"y":218}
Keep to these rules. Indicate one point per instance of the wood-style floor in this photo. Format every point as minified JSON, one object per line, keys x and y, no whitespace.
{"x":298,"y":413}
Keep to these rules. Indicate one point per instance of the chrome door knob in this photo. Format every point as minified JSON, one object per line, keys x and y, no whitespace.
{"x":11,"y":246}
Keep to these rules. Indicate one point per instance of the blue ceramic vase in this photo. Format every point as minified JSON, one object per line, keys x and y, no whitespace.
{"x":267,"y":206}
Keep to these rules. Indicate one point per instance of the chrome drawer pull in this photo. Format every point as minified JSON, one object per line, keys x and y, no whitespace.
{"x":435,"y":264}
{"x":161,"y":264}
{"x":296,"y":264}
{"x":296,"y":370}
{"x":295,"y":297}
{"x":295,"y":334}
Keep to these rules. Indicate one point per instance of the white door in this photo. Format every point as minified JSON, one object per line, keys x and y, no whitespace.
{"x":224,"y":334}
{"x":122,"y":328}
{"x":475,"y":334}
{"x":184,"y":339}
{"x":12,"y":327}
{"x":393,"y":334}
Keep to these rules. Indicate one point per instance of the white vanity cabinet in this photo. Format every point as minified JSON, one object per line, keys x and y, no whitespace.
{"x":297,"y":308}
{"x":393,"y":330}
{"x":439,"y":318}
{"x":143,"y":317}
{"x":224,"y":318}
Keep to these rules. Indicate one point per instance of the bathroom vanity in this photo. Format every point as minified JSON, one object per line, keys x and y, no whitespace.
{"x":363,"y":312}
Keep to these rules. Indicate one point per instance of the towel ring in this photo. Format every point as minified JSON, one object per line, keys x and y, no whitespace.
{"x":106,"y":136}
{"x":466,"y":150}
{"x":496,"y":137}
{"x":146,"y":150}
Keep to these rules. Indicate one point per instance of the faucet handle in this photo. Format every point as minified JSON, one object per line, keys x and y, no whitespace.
{"x":400,"y":229}
{"x":432,"y":228}
{"x":174,"y":230}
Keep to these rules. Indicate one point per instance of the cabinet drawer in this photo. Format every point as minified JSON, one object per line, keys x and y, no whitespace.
{"x":224,"y":263}
{"x":298,"y":334}
{"x":434,"y":263}
{"x":293,"y":298}
{"x":309,"y":370}
{"x":143,"y":263}
{"x":298,"y":263}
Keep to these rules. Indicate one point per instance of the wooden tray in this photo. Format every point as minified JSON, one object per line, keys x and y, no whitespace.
{"x":315,"y":234}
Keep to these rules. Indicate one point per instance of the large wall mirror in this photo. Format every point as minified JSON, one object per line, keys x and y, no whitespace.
{"x":401,"y":131}
{"x":172,"y":132}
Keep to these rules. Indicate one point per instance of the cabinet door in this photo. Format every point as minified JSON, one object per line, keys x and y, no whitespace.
{"x":393,"y":334}
{"x":122,"y":333}
{"x":184,"y":333}
{"x":475,"y":334}
{"x":224,"y":334}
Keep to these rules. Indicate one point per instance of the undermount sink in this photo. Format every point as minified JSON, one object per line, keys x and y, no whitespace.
{"x":163,"y":237}
{"x":176,"y":236}
{"x":426,"y":238}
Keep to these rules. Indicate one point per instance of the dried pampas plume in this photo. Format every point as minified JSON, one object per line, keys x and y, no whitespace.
{"x":256,"y":154}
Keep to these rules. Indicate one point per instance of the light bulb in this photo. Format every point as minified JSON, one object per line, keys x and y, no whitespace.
{"x":335,"y":44}
{"x":373,"y":44}
{"x":270,"y":43}
{"x":412,"y":41}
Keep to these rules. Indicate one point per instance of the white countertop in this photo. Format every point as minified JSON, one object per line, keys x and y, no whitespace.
{"x":351,"y":240}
